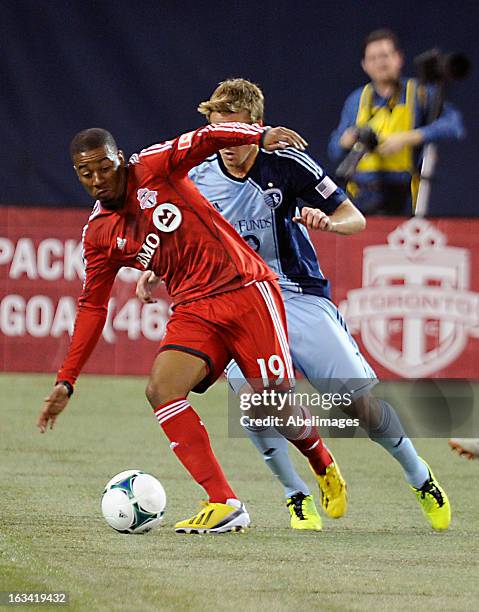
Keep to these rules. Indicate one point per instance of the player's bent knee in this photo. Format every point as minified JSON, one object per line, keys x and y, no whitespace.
{"x":158,"y":393}
{"x":151,"y":393}
{"x":174,"y":374}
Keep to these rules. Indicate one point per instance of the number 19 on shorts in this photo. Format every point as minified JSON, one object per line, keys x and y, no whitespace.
{"x":272,"y":370}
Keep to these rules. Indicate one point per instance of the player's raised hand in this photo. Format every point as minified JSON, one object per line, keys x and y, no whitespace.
{"x":314,"y":219}
{"x":145,"y":285}
{"x":52,"y":406}
{"x":281,"y":138}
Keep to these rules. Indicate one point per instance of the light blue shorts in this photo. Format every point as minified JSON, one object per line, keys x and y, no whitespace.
{"x":321,"y":346}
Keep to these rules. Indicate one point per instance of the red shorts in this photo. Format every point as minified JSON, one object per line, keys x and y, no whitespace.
{"x":247,"y":325}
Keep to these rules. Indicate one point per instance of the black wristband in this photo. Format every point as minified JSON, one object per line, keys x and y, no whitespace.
{"x":67,"y":385}
{"x":261,"y":140}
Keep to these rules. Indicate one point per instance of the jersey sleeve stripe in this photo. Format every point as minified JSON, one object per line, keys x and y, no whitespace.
{"x":238,"y":128}
{"x":303,"y":160}
{"x":158,"y":145}
{"x":238,"y":125}
{"x":223,"y":128}
{"x":147,"y":152}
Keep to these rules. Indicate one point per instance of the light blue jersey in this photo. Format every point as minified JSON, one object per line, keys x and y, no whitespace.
{"x":261,"y":207}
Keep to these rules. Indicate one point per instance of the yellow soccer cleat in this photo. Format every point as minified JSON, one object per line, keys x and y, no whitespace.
{"x":216,"y":518}
{"x":434,"y":502}
{"x":333,"y":491}
{"x":303,"y":512}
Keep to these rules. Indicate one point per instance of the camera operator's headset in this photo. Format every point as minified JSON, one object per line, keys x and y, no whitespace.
{"x":393,"y":117}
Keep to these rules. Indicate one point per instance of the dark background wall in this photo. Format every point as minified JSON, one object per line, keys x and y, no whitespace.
{"x":140,"y":68}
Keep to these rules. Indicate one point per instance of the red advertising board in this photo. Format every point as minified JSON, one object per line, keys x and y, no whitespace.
{"x":408,"y":288}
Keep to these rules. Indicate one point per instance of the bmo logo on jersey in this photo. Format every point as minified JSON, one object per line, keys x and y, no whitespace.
{"x":167,"y":217}
{"x":148,"y":249}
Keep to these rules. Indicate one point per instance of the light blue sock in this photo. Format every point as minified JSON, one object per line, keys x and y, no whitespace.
{"x":274,"y":450}
{"x":391,"y":436}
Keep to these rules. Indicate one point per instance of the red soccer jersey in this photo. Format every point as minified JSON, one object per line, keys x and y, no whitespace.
{"x":167,"y":226}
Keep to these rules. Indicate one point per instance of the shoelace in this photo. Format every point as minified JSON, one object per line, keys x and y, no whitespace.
{"x":431,"y":488}
{"x":297,"y":503}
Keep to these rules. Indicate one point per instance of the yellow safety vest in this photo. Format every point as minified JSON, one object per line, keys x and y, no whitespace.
{"x":387,"y":120}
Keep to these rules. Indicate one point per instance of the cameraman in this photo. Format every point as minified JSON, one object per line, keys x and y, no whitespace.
{"x":386,"y":179}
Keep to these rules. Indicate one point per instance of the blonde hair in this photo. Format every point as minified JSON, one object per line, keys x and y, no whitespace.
{"x":234,"y":96}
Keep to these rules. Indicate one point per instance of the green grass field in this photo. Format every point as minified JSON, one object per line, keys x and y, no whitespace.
{"x":381,"y":556}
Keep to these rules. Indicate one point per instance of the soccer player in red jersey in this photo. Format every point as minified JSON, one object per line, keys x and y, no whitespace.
{"x":150,"y":216}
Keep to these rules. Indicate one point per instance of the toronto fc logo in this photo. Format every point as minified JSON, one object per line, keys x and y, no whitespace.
{"x":146,"y":198}
{"x":414,"y":312}
{"x":167,"y":217}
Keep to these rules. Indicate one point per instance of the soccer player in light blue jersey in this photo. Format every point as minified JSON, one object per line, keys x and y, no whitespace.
{"x":262,"y":195}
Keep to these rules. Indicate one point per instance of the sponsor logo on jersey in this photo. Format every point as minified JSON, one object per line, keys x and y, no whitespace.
{"x":249,"y":225}
{"x":185,"y":140}
{"x":120,"y":243}
{"x":253,"y":241}
{"x":148,"y":249}
{"x":272,"y":197}
{"x":146,"y":198}
{"x":414,"y":312}
{"x":167,"y":217}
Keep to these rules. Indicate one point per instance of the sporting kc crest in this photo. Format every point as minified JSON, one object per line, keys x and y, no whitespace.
{"x":272,"y":197}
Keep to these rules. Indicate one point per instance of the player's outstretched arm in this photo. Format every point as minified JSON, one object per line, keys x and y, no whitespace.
{"x":345,"y":220}
{"x":89,"y":323}
{"x":192,"y":148}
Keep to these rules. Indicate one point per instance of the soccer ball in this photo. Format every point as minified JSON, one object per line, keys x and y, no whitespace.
{"x":133,"y":502}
